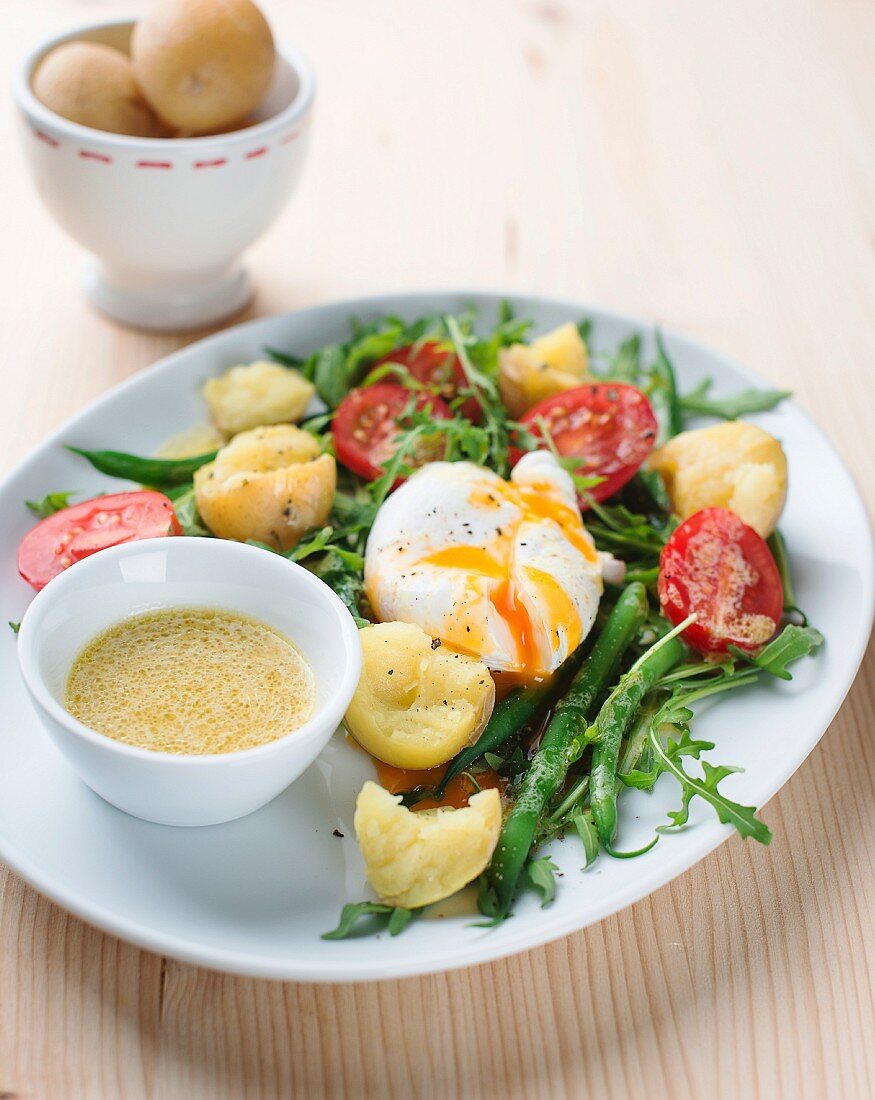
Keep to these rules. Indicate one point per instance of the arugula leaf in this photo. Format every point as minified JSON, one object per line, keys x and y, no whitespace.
{"x":625,"y":364}
{"x":698,"y":403}
{"x":637,"y":737}
{"x":792,"y":643}
{"x":352,"y":511}
{"x":327,"y":369}
{"x":316,"y":425}
{"x":14,"y":627}
{"x":663,"y":393}
{"x":320,"y":542}
{"x":483,"y":351}
{"x":185,"y":506}
{"x":397,"y":372}
{"x":371,"y":346}
{"x":584,"y":327}
{"x":619,"y":530}
{"x":463,"y":440}
{"x":49,"y":504}
{"x":569,"y":463}
{"x":346,"y":583}
{"x":336,"y":368}
{"x":399,"y":920}
{"x":586,"y":831}
{"x":668,"y":757}
{"x":542,"y":877}
{"x":351,"y":914}
{"x":479,"y":361}
{"x":395,"y":467}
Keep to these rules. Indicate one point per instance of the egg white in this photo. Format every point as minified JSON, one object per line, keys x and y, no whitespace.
{"x":516,"y":582}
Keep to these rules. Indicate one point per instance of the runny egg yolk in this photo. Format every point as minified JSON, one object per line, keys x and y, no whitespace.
{"x":537,"y":503}
{"x":459,"y":789}
{"x":494,"y":561}
{"x":503,"y":570}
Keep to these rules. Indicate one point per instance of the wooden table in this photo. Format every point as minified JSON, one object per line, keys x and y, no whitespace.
{"x":707,"y":164}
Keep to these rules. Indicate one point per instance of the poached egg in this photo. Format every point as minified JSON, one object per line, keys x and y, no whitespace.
{"x":503,"y":570}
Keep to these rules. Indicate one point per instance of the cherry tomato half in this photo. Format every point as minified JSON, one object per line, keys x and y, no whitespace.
{"x":76,"y":532}
{"x":365,"y":431}
{"x":609,"y":426}
{"x":717,"y":567}
{"x":437,"y":366}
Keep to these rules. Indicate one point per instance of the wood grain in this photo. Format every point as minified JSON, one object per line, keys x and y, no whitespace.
{"x":706,"y":164}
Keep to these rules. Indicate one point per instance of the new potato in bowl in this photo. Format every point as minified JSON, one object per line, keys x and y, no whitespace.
{"x":147,"y":208}
{"x":204,"y":65}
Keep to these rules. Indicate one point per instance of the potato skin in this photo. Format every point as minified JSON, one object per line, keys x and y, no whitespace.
{"x":416,"y":705}
{"x":417,"y":858}
{"x":94,"y":85}
{"x":203,"y":64}
{"x":256,"y":395}
{"x":529,"y":373}
{"x":735,"y":465}
{"x":269,"y":484}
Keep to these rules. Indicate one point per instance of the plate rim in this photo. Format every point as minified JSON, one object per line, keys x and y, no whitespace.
{"x":477,"y":951}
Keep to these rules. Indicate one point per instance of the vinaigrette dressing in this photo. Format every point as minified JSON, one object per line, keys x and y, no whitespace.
{"x":191,"y":680}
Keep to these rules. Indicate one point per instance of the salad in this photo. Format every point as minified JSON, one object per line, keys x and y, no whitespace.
{"x":553,"y":557}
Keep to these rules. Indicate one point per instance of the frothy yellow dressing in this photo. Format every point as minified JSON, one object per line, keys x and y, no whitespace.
{"x":189,"y":680}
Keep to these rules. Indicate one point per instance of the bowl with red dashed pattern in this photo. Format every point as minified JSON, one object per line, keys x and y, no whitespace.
{"x":167,"y":219}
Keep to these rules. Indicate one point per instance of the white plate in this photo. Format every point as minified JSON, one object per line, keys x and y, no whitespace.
{"x":253,"y":896}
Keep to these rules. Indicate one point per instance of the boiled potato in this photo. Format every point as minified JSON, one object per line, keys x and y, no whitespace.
{"x":256,"y":395}
{"x":199,"y":440}
{"x":95,"y":86}
{"x":563,"y":349}
{"x":417,"y":705}
{"x":203,"y":64}
{"x":414,"y":859}
{"x":529,"y":373}
{"x":269,"y":484}
{"x":733,"y":465}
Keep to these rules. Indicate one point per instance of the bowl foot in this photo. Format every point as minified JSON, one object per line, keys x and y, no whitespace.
{"x":169,"y":306}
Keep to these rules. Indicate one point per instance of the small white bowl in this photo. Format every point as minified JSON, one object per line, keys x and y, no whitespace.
{"x":167,"y":219}
{"x":187,"y":572}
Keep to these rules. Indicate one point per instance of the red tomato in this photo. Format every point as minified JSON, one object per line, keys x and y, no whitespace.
{"x":437,"y":366}
{"x":365,"y":431}
{"x":609,"y":426}
{"x":717,"y":567}
{"x":76,"y":532}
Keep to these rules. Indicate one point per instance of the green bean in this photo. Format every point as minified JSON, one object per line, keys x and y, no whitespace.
{"x":610,"y":726}
{"x":515,"y":711}
{"x":518,"y":708}
{"x":549,"y":765}
{"x":147,"y":471}
{"x":638,"y":738}
{"x":510,"y":715}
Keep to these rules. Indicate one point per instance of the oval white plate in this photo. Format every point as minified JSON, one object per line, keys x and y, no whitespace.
{"x":253,"y":896}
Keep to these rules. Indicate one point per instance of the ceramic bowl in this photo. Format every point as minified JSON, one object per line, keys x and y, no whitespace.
{"x":143,"y":576}
{"x":167,"y":219}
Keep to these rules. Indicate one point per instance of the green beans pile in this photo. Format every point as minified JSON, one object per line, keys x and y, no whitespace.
{"x":550,"y":763}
